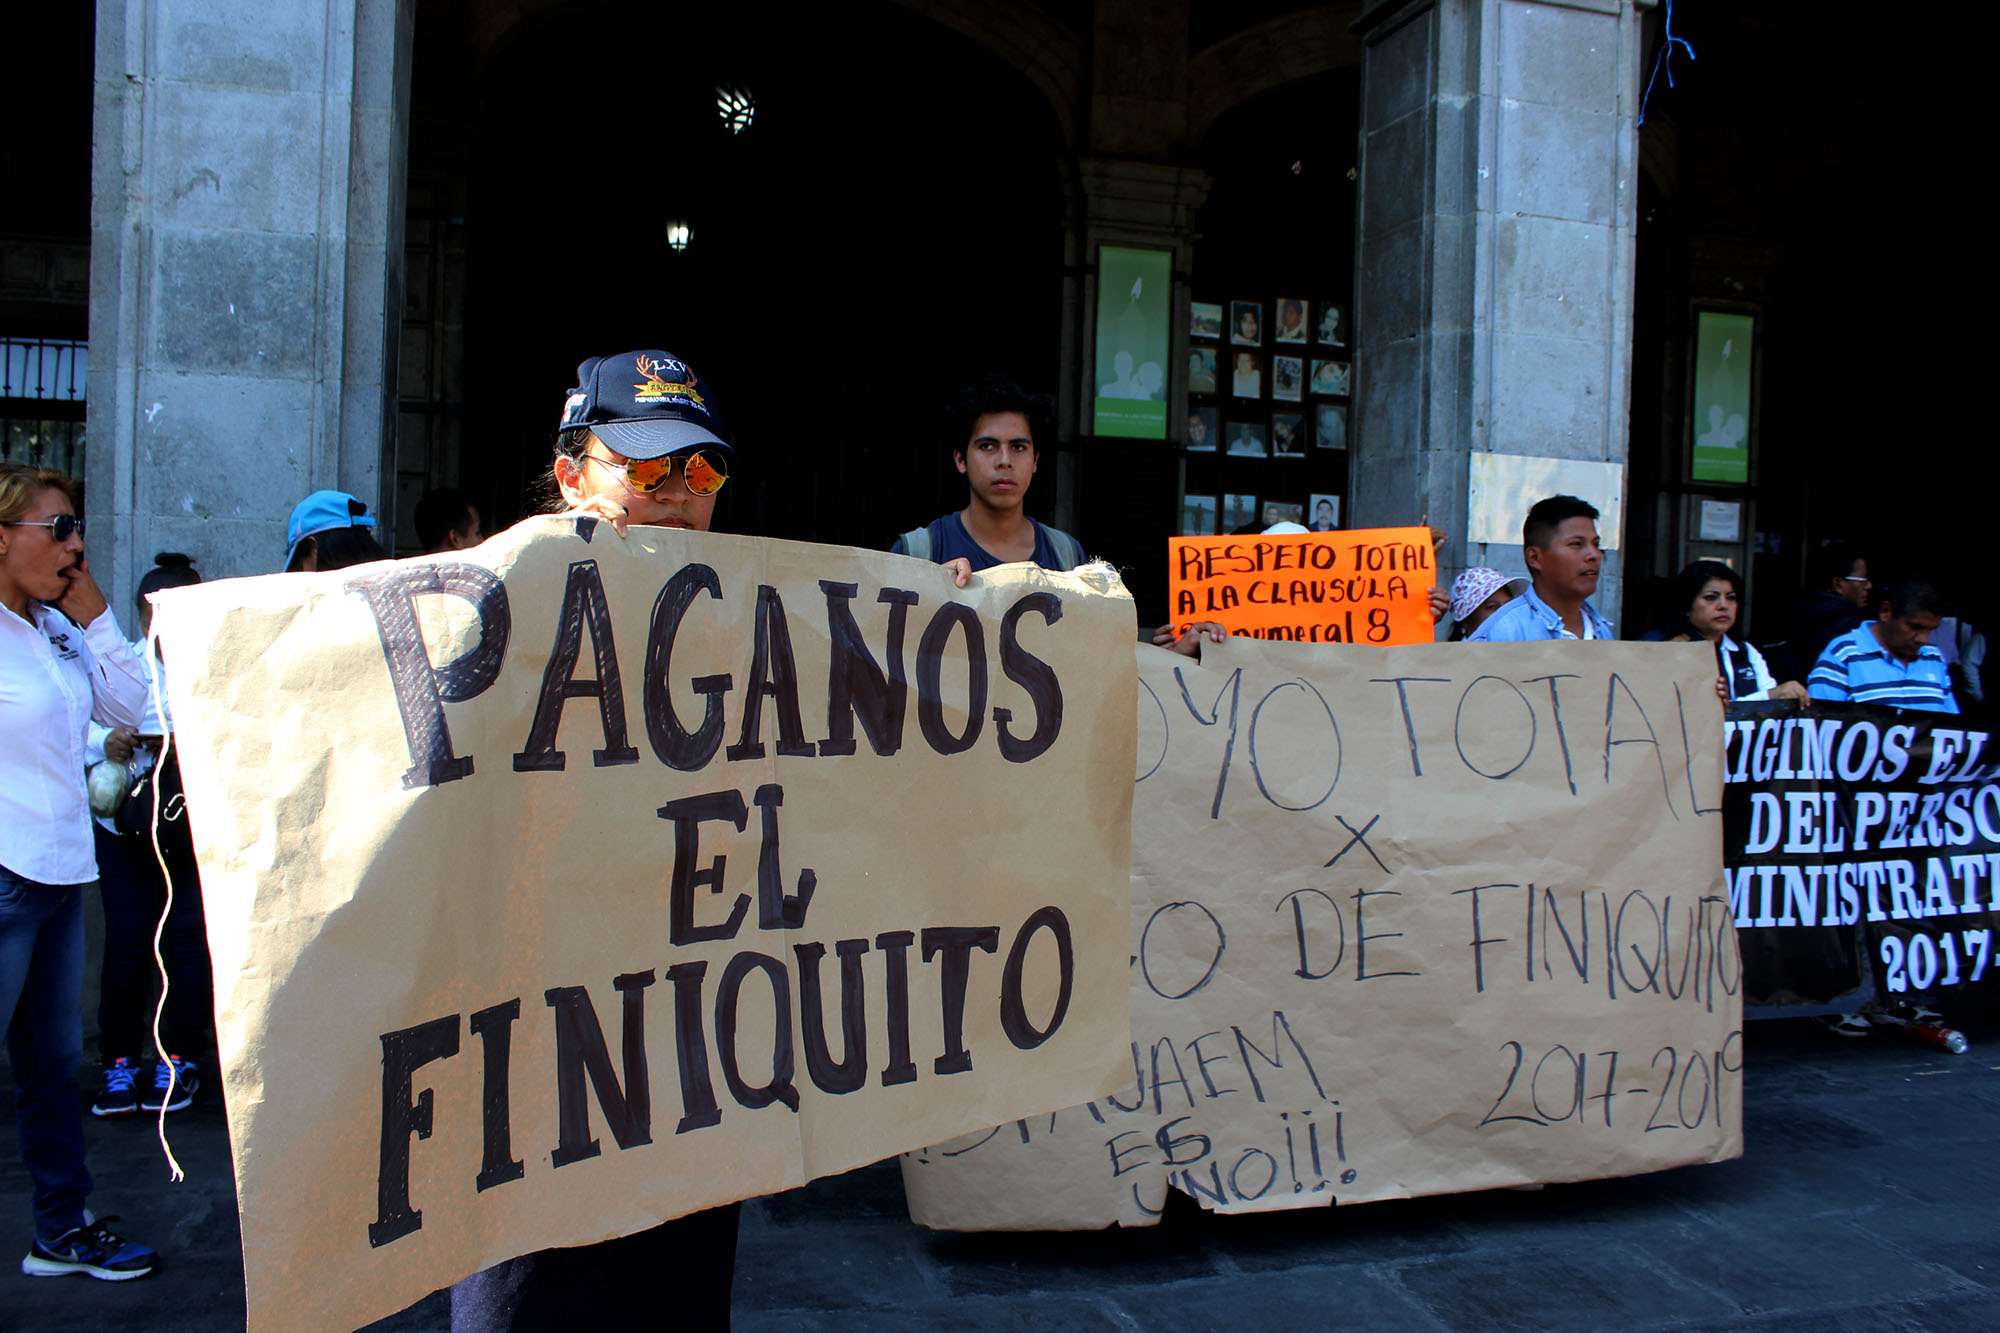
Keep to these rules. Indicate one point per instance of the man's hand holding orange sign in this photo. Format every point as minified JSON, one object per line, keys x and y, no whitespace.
{"x":1371,"y":586}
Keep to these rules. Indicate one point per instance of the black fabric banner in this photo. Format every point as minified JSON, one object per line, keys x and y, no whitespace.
{"x":1855,"y":838}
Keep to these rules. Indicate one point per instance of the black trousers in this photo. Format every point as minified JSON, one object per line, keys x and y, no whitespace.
{"x":676,"y":1275}
{"x":135,"y":895}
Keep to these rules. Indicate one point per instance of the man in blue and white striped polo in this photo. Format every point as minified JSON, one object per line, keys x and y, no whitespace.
{"x":1889,"y":661}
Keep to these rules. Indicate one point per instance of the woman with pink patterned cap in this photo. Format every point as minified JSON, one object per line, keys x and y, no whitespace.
{"x":1477,"y":594}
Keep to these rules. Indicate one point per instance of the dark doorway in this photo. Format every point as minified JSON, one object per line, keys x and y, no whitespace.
{"x":888,"y":227}
{"x":1278,"y":225}
{"x":1821,"y":194}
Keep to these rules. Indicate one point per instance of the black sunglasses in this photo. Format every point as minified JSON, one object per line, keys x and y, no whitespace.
{"x":62,"y":527}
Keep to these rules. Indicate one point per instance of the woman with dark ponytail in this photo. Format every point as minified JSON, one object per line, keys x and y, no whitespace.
{"x":135,"y":896}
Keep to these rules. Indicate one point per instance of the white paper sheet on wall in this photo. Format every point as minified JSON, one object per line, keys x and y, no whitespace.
{"x":1721,"y":520}
{"x":1503,"y":487}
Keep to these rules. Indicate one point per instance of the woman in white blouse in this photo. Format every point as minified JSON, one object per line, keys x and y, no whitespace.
{"x":63,"y":662}
{"x":1712,"y":592}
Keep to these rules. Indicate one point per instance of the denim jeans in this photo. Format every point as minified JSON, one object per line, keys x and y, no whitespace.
{"x":41,"y":993}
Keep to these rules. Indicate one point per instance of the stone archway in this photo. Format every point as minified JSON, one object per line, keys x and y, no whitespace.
{"x":887,"y":228}
{"x":1269,"y":55}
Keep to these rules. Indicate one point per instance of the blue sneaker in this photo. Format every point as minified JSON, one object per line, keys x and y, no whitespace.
{"x":94,"y":1249}
{"x":120,"y":1096}
{"x":173,"y":1085}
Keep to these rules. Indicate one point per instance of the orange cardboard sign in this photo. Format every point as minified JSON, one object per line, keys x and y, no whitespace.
{"x":1370,"y":586}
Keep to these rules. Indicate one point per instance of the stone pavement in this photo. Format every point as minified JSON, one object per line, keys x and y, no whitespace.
{"x":1865,"y":1201}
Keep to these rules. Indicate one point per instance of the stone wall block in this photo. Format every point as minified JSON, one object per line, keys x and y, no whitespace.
{"x":1394,"y":414}
{"x":238,"y":159}
{"x":223,"y":548}
{"x":377,"y":27}
{"x":371,"y":178}
{"x":1559,"y":57}
{"x":198,"y":422}
{"x":1554,"y":278}
{"x":1383,"y":486}
{"x":1398,"y":72}
{"x":1551,"y":397}
{"x":1557,"y":163}
{"x":1458,"y":186}
{"x":1458,"y":386}
{"x":1445,"y":501}
{"x":244,"y":44}
{"x":236,"y":301}
{"x":1395,"y":286}
{"x":1395,"y":188}
{"x":1451,"y":281}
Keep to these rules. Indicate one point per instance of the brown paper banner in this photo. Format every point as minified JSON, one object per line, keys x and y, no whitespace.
{"x":1405,"y":921}
{"x":509,"y":951}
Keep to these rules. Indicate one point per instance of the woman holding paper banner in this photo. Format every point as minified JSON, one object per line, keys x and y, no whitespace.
{"x":63,"y":662}
{"x":1712,"y":592}
{"x":640,"y":441}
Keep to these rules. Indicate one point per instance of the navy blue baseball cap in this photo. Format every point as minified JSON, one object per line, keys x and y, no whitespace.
{"x":645,"y":404}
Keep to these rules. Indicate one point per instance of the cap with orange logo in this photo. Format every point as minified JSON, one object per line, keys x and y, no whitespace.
{"x":644,"y":404}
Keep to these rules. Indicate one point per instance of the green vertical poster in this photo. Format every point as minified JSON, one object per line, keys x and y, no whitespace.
{"x":1721,"y":425}
{"x":1130,"y":394}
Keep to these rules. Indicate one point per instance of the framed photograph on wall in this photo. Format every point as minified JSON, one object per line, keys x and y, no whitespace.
{"x":1323,"y":513}
{"x":1246,"y":440}
{"x":1238,"y":511}
{"x":1333,"y":378}
{"x":1198,"y":515}
{"x":1332,"y":330}
{"x":1201,"y":370}
{"x":1202,"y":432}
{"x":1294,"y":320}
{"x":1282,"y":511}
{"x":1330,"y":426}
{"x":1288,"y":378}
{"x":1204,"y":319}
{"x":1246,"y":323}
{"x":1246,"y":375}
{"x":1288,"y":435}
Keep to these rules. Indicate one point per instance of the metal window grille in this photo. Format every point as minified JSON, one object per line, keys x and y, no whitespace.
{"x":42,"y":402}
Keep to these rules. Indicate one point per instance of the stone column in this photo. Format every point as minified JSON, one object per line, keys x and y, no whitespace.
{"x":246,"y":273}
{"x":1493,"y":285}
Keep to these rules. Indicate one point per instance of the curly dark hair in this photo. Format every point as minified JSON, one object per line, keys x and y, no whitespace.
{"x":998,"y":393}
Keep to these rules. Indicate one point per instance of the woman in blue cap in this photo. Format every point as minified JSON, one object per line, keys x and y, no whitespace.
{"x":330,"y":530}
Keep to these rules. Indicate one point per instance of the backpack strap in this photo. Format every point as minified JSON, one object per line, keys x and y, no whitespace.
{"x":1067,"y":548}
{"x":917,"y":542}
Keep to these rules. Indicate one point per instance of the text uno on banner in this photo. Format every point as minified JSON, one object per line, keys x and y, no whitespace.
{"x":1860,"y":838}
{"x":1406,"y":921}
{"x":508,"y":950}
{"x":1370,"y":586}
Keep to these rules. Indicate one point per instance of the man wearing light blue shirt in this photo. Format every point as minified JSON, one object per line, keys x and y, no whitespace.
{"x":1559,"y":542}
